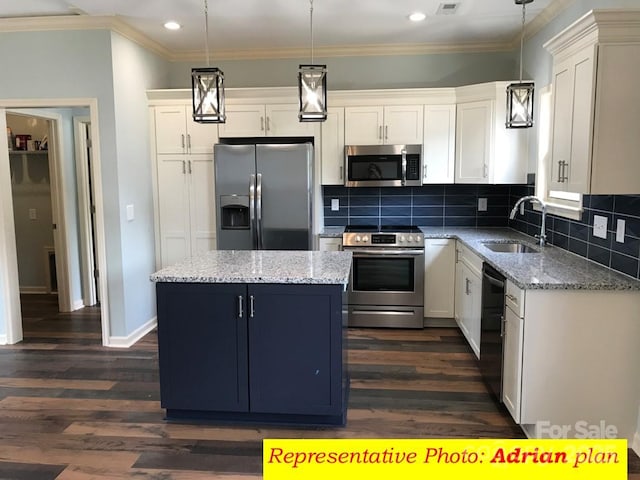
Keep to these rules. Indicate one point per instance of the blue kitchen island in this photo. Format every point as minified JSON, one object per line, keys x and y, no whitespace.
{"x":254,"y":337}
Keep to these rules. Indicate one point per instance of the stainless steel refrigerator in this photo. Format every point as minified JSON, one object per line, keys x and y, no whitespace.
{"x":264,"y":196}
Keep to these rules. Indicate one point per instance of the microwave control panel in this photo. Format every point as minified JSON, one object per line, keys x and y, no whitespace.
{"x":413,"y":167}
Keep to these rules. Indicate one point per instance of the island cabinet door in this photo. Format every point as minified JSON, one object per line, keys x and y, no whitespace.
{"x":295,"y":345}
{"x":202,"y":340}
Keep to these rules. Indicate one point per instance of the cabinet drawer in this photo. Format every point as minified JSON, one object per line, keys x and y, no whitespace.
{"x":514,"y":298}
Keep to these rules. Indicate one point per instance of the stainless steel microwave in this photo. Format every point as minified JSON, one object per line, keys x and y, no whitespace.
{"x":383,"y":165}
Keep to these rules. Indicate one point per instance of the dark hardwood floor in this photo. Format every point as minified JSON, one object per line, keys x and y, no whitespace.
{"x":71,"y":409}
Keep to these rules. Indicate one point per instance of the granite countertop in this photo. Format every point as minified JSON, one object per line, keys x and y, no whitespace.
{"x":260,"y":266}
{"x":331,"y":232}
{"x":551,"y":269}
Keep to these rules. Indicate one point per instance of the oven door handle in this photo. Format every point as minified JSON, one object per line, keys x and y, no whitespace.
{"x":385,"y":252}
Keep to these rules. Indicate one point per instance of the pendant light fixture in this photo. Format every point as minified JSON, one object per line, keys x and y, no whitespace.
{"x":520,"y":95}
{"x":312,"y":87}
{"x":207,"y":87}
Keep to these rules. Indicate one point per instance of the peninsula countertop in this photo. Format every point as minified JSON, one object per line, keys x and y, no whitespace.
{"x":260,"y":266}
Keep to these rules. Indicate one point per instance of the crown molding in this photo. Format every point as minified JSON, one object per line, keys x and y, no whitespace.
{"x":555,"y":8}
{"x":83,"y":22}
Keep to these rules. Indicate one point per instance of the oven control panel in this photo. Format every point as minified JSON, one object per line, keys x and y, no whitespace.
{"x":382,"y":240}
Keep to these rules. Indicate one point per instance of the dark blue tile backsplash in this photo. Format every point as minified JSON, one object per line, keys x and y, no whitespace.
{"x":457,"y":205}
{"x":429,"y":205}
{"x":577,"y":235}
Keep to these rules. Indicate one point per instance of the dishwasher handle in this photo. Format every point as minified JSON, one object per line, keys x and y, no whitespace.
{"x":497,"y":282}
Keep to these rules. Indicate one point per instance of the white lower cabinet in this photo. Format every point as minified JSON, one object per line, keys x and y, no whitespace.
{"x":439,"y":278}
{"x":330,"y":244}
{"x":512,"y":355}
{"x":468,"y":295}
{"x":186,"y":206}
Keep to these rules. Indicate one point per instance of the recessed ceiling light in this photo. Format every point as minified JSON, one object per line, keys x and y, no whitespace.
{"x":417,"y":17}
{"x":171,"y":25}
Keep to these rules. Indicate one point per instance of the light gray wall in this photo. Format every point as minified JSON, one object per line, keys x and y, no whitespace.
{"x":134,"y":71}
{"x":538,"y":61}
{"x":79,"y":64}
{"x":353,"y":73}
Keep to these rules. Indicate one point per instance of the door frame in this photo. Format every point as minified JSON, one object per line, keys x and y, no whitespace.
{"x":9,"y":288}
{"x":87,"y":260}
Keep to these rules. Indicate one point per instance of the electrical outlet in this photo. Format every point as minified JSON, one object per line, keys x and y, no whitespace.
{"x":482,"y":204}
{"x":130,"y":213}
{"x":33,"y":214}
{"x":335,"y":204}
{"x":599,"y":226}
{"x":620,"y":230}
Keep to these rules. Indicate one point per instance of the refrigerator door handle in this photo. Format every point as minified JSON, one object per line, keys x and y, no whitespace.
{"x":259,"y":209}
{"x":252,"y":210}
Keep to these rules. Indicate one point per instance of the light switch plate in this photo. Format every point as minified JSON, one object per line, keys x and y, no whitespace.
{"x":599,"y":226}
{"x":482,"y":204}
{"x":335,"y":204}
{"x":130,"y":213}
{"x":621,"y":226}
{"x":522,"y":208}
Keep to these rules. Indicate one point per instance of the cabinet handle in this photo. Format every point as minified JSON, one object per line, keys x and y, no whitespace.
{"x":182,"y":141}
{"x":565,"y":177}
{"x":503,"y":326}
{"x":184,"y":167}
{"x":485,"y":171}
{"x":380,"y":132}
{"x":457,"y":253}
{"x":559,"y":171}
{"x":189,"y":143}
{"x":189,"y":167}
{"x":341,"y":172}
{"x":251,"y":306}
{"x":262,"y":124}
{"x":512,"y":298}
{"x":268,"y":123}
{"x":240,"y":306}
{"x":424,"y":174}
{"x":467,"y":286}
{"x":386,"y":132}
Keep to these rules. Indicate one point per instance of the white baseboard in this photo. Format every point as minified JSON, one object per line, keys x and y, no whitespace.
{"x":133,"y":337}
{"x":635,"y":446}
{"x":77,"y":305}
{"x":34,"y":290}
{"x":3,"y":339}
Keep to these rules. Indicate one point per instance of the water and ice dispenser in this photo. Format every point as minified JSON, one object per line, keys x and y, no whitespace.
{"x":234,"y":212}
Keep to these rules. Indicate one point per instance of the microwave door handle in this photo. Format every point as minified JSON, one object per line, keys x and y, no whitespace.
{"x":252,"y":211}
{"x":404,"y":167}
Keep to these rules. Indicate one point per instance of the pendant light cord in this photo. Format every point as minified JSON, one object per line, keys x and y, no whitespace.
{"x":521,"y":38}
{"x":311,"y":27}
{"x":206,"y":31}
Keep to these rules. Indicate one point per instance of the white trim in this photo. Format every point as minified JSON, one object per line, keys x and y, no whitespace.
{"x":87,"y":261}
{"x":3,"y":339}
{"x":133,"y":337}
{"x":9,"y":268}
{"x":77,"y":304}
{"x":33,"y":290}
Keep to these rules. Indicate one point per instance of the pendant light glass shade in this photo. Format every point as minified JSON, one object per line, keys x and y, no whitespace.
{"x":312,"y":90}
{"x":520,"y":95}
{"x":520,"y":105}
{"x":207,"y":91}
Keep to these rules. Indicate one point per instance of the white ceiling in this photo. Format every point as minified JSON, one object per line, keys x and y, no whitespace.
{"x":245,"y":25}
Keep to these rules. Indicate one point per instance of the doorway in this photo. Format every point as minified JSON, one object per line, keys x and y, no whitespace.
{"x":62,"y":175}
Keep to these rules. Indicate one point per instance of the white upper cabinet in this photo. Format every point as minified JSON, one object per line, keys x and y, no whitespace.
{"x":377,"y":125}
{"x":261,"y":120}
{"x":487,"y":151}
{"x":177,"y":133}
{"x":332,"y":147}
{"x":438,"y":145}
{"x":594,"y":145}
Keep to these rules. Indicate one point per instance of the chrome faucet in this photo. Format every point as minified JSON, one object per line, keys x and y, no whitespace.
{"x":542,"y":237}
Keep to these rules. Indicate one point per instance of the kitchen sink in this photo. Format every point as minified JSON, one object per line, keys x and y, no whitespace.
{"x":510,"y":247}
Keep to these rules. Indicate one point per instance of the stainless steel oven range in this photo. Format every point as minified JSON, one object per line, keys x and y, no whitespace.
{"x":387,"y":276}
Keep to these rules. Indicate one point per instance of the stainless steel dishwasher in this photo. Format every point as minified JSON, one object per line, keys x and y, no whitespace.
{"x":492,"y":329}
